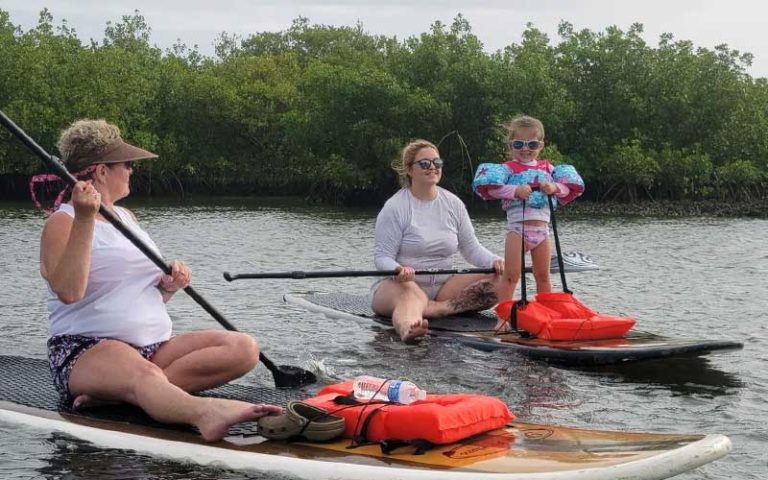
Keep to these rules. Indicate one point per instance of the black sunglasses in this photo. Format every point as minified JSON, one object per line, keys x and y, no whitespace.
{"x":519,"y":144}
{"x":426,"y":163}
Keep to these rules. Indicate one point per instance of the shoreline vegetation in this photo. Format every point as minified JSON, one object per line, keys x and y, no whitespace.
{"x":477,"y":208}
{"x":321,"y":111}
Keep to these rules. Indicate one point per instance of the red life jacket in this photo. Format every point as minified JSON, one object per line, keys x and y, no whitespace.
{"x":559,"y":316}
{"x":438,"y":419}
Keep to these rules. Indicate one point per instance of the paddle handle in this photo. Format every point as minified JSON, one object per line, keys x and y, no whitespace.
{"x":299,"y":274}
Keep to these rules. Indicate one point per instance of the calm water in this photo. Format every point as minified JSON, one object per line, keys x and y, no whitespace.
{"x":696,"y":277}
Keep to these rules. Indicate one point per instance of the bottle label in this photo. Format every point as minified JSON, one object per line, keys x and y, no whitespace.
{"x":393,"y":391}
{"x":366,"y":387}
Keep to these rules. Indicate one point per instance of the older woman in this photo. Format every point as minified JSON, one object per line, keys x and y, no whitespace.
{"x":423,"y":226}
{"x":110,"y":331}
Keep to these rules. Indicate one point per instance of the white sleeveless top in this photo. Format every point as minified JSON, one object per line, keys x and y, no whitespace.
{"x":121,"y":300}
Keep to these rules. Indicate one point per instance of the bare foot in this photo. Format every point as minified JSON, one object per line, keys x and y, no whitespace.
{"x":415,"y":330}
{"x":83,"y":401}
{"x":222,"y":414}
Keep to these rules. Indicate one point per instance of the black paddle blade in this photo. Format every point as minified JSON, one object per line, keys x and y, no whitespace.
{"x":287,"y":376}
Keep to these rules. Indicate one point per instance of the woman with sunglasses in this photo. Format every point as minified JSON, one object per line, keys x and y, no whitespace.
{"x":110,"y":333}
{"x":420,"y":227}
{"x":523,"y":183}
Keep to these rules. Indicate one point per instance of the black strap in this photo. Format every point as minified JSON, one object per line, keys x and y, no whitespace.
{"x":348,"y":399}
{"x":513,"y":320}
{"x":361,"y":438}
{"x":422,"y":446}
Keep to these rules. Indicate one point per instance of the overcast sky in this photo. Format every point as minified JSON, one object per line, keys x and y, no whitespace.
{"x":739,"y":23}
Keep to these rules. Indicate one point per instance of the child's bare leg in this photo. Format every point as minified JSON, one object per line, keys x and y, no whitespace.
{"x":541,"y":258}
{"x":512,"y":266}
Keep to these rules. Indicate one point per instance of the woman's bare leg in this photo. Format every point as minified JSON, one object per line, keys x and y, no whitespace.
{"x":405,"y":303}
{"x":200,"y":360}
{"x":114,"y":371}
{"x":465,"y":293}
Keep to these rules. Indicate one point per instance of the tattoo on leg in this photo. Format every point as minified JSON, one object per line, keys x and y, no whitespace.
{"x":477,"y":296}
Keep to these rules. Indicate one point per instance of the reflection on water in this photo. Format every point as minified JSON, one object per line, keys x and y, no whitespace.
{"x":678,"y":277}
{"x":682,"y":376}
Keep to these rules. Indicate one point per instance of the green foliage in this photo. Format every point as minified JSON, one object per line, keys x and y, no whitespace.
{"x":685,"y":173}
{"x":554,"y":155}
{"x":323,"y":110}
{"x":740,"y":180}
{"x":628,"y":170}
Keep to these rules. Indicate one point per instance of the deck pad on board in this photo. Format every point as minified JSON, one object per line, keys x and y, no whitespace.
{"x":27,"y":382}
{"x":476,"y":330}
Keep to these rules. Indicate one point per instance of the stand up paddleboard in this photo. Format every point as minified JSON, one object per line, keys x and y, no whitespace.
{"x":517,"y":452}
{"x":476,"y":330}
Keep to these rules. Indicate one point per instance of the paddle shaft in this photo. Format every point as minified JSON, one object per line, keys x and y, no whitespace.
{"x":298,"y":274}
{"x":55,"y":164}
{"x":557,"y":243}
{"x":560,"y":262}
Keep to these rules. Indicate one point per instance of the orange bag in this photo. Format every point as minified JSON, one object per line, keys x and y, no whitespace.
{"x":439,"y":419}
{"x":561,"y":317}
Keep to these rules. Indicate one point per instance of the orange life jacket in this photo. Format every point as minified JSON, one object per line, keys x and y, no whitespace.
{"x":559,"y":316}
{"x":438,"y":419}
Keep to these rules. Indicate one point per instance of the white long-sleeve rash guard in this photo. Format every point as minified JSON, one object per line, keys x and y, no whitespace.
{"x":426,"y":234}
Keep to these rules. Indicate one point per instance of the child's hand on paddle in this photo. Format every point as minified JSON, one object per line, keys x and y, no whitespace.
{"x":548,"y":187}
{"x":523,"y":192}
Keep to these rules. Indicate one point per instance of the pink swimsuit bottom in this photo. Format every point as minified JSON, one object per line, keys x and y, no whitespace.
{"x":532,"y":235}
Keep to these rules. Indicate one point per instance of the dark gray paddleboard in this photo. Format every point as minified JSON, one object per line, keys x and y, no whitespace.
{"x":476,"y":330}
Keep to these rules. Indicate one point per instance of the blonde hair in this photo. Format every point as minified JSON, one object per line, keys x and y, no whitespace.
{"x":81,"y":140}
{"x":523,"y":121}
{"x":407,"y":157}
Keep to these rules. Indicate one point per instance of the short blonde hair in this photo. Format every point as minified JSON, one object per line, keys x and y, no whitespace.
{"x":407,"y":157}
{"x":523,"y":121}
{"x":89,"y":142}
{"x":81,"y":140}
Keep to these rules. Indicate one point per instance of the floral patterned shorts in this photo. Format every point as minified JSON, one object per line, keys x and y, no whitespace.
{"x":64,"y":350}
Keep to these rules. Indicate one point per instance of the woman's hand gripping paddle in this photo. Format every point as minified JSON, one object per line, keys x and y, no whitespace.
{"x":285,"y":376}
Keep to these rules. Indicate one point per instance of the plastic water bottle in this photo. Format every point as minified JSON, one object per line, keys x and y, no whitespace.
{"x":400,"y":391}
